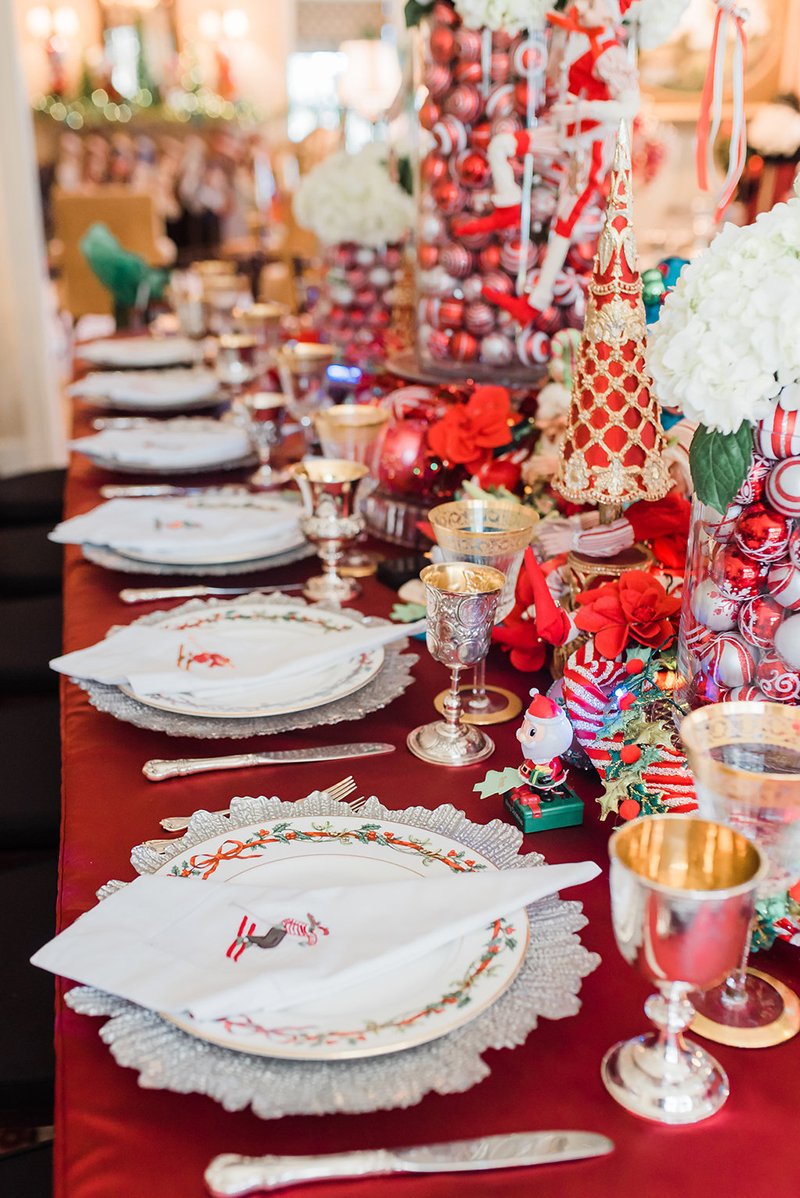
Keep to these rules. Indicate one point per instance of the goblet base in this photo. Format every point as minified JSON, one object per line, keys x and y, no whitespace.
{"x":441,"y":744}
{"x":329,"y":588}
{"x":266,"y":478}
{"x":357,"y":564}
{"x":770,"y":1015}
{"x":640,"y":1077}
{"x":496,"y":706}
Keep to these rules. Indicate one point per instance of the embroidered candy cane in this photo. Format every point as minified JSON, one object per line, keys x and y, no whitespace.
{"x":294,"y":927}
{"x":238,"y":946}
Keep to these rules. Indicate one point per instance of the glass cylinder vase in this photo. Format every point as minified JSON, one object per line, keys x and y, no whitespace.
{"x":474,"y":84}
{"x":740,"y":621}
{"x":355,"y":304}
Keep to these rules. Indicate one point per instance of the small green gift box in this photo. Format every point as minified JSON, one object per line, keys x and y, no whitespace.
{"x":563,"y":810}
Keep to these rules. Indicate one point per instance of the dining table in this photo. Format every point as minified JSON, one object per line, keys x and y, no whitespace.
{"x":115,"y":1139}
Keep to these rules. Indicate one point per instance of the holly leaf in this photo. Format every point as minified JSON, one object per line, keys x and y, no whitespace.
{"x":614,"y":791}
{"x":497,"y":782}
{"x":414,"y":12}
{"x":719,"y":463}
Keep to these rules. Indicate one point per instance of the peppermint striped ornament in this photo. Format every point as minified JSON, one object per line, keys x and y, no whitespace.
{"x":783,"y":487}
{"x":778,"y":682}
{"x":730,"y":660}
{"x":783,"y":582}
{"x":778,"y":435}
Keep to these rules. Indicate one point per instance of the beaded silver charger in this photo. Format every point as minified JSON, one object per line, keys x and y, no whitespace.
{"x":547,"y":986}
{"x":102,"y":555}
{"x":391,"y":680}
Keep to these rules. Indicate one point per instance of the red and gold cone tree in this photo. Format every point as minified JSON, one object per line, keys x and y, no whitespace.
{"x":614,"y":444}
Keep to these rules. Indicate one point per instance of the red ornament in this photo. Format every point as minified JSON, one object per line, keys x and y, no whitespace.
{"x":533,"y":346}
{"x":444,"y":14}
{"x":758,"y":618}
{"x":508,"y":123}
{"x":451,"y":313}
{"x":437,"y":79}
{"x":752,"y":488}
{"x":778,"y":682}
{"x":472,"y":288}
{"x":480,"y":202}
{"x":501,"y":40}
{"x":722,"y":530}
{"x":500,"y":101}
{"x":429,"y":114}
{"x":782,"y":488}
{"x":784,"y":585}
{"x":497,"y":280}
{"x":464,"y":102}
{"x":550,"y":321}
{"x":730,"y":660}
{"x":433,"y":168}
{"x":449,"y":196}
{"x":473,"y":241}
{"x":489,"y":258}
{"x":629,"y":809}
{"x":500,"y":67}
{"x":468,"y":72}
{"x":480,"y":136}
{"x":456,"y":260}
{"x":778,"y":435}
{"x":463,"y":347}
{"x":472,"y":168}
{"x":736,"y":575}
{"x":442,"y":43}
{"x":468,"y":42}
{"x":521,"y":96}
{"x":513,"y":252}
{"x":497,"y":350}
{"x":762,"y":533}
{"x":450,"y":134}
{"x":439,"y":344}
{"x":428,"y":256}
{"x":479,"y":318}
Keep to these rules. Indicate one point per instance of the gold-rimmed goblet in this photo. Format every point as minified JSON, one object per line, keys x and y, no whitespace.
{"x":303,"y":373}
{"x":262,"y":321}
{"x":682,"y":898}
{"x":354,"y":432}
{"x":221,"y":294}
{"x":462,"y":603}
{"x":236,"y":364}
{"x":264,"y":412}
{"x":489,"y":533}
{"x":745,"y":758}
{"x":328,"y":487}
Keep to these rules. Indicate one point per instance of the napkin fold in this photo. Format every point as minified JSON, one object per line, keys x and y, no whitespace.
{"x":219,"y":950}
{"x":204,"y":661}
{"x":167,"y":445}
{"x":147,"y":386}
{"x":158,"y":525}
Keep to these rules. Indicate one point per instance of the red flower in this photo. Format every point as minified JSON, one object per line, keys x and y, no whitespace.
{"x":468,"y":432}
{"x":517,"y":633}
{"x":636,"y":606}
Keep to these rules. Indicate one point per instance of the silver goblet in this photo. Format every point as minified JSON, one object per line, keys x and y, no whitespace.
{"x":236,"y":364}
{"x":462,"y":603}
{"x":682,"y":897}
{"x":264,"y":412}
{"x":328,"y":487}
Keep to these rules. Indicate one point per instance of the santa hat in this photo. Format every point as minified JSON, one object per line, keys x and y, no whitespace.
{"x":540,"y":707}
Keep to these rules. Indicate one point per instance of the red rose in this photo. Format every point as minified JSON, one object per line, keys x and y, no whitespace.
{"x":636,"y":606}
{"x":468,"y":432}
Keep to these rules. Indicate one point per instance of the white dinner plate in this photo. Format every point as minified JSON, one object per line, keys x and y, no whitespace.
{"x":163,"y":391}
{"x":141,"y":352}
{"x":168,"y":447}
{"x":260,"y":622}
{"x":402,"y":1008}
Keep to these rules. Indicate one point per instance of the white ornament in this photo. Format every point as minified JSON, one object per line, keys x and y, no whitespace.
{"x":711,"y":608}
{"x":783,"y":487}
{"x":787,"y":642}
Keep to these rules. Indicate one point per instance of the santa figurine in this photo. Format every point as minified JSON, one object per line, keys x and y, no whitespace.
{"x":536,"y":793}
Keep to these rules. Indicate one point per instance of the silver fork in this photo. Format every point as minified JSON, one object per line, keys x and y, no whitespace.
{"x":179,"y":823}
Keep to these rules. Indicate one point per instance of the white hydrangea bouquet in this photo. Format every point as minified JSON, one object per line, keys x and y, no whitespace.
{"x":351,"y":198}
{"x":726,"y":349}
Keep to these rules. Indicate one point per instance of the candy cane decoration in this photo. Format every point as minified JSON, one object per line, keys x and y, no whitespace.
{"x":728,"y":13}
{"x":294,"y":927}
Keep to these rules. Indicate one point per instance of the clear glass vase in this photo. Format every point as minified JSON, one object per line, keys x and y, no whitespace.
{"x":356,"y":297}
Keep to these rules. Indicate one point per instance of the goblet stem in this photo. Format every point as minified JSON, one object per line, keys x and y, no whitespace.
{"x":734,"y":990}
{"x":671,"y":1012}
{"x":479,"y":700}
{"x":452,"y":703}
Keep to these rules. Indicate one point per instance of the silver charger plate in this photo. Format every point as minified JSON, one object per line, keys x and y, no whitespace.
{"x":393,"y":678}
{"x":110,"y":559}
{"x":546,"y":986}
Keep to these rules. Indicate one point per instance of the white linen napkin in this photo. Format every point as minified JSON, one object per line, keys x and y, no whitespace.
{"x":147,"y":525}
{"x":167,"y":445}
{"x":181,"y":944}
{"x":141,"y":351}
{"x":149,"y":387}
{"x":205,"y":661}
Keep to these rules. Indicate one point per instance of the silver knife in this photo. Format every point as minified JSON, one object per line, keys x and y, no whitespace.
{"x":168,"y":490}
{"x":153,"y":594}
{"x":157,"y":771}
{"x":230,"y":1176}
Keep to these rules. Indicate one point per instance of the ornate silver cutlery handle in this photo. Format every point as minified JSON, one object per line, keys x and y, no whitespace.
{"x":230,"y":1176}
{"x":158,"y":770}
{"x":153,"y":594}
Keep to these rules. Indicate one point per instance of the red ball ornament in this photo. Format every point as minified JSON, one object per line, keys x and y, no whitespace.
{"x":629,"y":809}
{"x":528,"y":55}
{"x":480,"y":202}
{"x":451,"y":314}
{"x":550,"y":321}
{"x":787,"y":642}
{"x":783,"y":582}
{"x":543,"y":205}
{"x":464,"y":102}
{"x":512,"y":253}
{"x":438,"y":345}
{"x":500,"y":101}
{"x":736,"y":575}
{"x":468,"y":43}
{"x":575,"y":315}
{"x":634,"y":666}
{"x":489,"y":258}
{"x":450,"y":134}
{"x":730,"y":660}
{"x":473,"y":241}
{"x":437,"y":79}
{"x":762,"y":534}
{"x":429,"y":114}
{"x":442,"y":43}
{"x":533,"y":346}
{"x":468,"y":72}
{"x":508,"y":123}
{"x":449,"y":196}
{"x":777,"y":680}
{"x":522,"y":93}
{"x":580,"y":256}
{"x":497,"y":280}
{"x":479,"y":318}
{"x":722,"y":530}
{"x":500,"y":67}
{"x":433,"y":168}
{"x":758,"y":618}
{"x":444,"y":14}
{"x":463,"y":347}
{"x":393,"y":258}
{"x":752,"y":489}
{"x":472,"y":168}
{"x":749,"y":693}
{"x":501,"y":40}
{"x":782,"y":489}
{"x":480,"y":136}
{"x":497,"y":350}
{"x":777,"y":436}
{"x":456,"y":260}
{"x":472,"y":288}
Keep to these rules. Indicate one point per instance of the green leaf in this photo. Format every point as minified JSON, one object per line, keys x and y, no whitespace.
{"x":719,"y":463}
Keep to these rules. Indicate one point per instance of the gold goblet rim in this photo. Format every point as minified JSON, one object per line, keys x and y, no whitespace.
{"x":446,"y":577}
{"x":260,"y":312}
{"x":715,"y":725}
{"x":522,"y":520}
{"x":265,"y":401}
{"x":329,"y":470}
{"x":744,"y":862}
{"x":347,"y":416}
{"x":237,"y":341}
{"x":303,"y":354}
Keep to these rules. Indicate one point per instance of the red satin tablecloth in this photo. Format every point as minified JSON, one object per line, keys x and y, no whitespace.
{"x":115,"y":1140}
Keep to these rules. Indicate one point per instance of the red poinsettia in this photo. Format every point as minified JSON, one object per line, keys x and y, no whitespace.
{"x":467,"y":433}
{"x":517,"y":633}
{"x":636,"y":606}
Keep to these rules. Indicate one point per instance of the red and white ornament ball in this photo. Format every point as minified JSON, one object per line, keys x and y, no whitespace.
{"x":787,"y":642}
{"x":777,"y":680}
{"x":736,"y":574}
{"x":782,"y":488}
{"x":758,"y":619}
{"x":712,"y":609}
{"x":730,"y":660}
{"x":762,"y":533}
{"x":783,"y":582}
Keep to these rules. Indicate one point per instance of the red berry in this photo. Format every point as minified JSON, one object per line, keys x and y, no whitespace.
{"x":629,"y":809}
{"x":630,"y":754}
{"x":626,"y":700}
{"x":634,"y":666}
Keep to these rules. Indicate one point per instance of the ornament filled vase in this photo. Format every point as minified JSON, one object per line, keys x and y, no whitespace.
{"x":357,"y":295}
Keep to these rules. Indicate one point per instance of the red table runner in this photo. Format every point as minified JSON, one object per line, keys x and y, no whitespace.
{"x":116,"y":1140}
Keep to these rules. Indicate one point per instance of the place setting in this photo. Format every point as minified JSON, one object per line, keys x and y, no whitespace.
{"x":153,"y":391}
{"x":182,"y":445}
{"x":141,"y":353}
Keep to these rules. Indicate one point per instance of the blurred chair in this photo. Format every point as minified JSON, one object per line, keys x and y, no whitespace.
{"x":131,"y":217}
